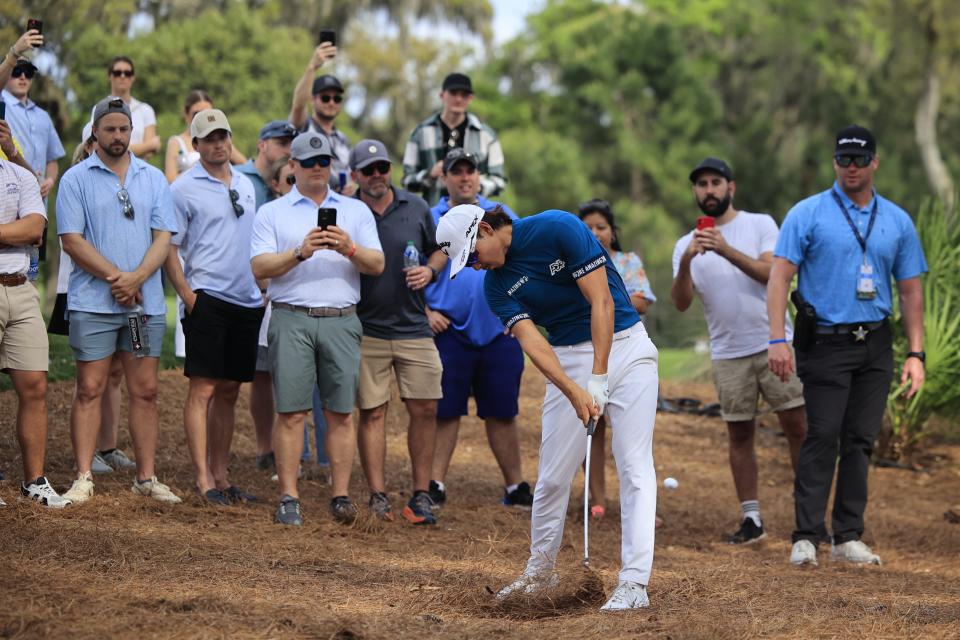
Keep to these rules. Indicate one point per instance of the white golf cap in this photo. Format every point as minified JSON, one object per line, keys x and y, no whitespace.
{"x":457,"y":234}
{"x":208,"y":121}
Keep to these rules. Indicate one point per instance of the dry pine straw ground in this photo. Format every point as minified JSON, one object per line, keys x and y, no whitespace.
{"x":122,"y":566}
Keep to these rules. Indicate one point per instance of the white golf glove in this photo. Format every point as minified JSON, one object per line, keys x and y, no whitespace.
{"x":598,"y":390}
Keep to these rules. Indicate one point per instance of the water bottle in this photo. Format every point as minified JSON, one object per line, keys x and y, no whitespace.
{"x":411,"y":257}
{"x":137,"y":321}
{"x":33,"y":272}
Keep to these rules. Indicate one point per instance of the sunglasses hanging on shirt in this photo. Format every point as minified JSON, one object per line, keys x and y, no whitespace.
{"x":124,"y":199}
{"x":235,"y":201}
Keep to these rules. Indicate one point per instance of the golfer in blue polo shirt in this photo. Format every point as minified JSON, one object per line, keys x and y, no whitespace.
{"x":549,"y":270}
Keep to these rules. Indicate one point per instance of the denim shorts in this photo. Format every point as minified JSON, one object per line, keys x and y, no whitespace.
{"x":95,"y":336}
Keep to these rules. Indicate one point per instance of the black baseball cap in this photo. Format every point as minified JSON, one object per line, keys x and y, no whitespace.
{"x":712,"y":164}
{"x":457,"y":82}
{"x":326,"y":82}
{"x":855,"y":140}
{"x":459,"y":155}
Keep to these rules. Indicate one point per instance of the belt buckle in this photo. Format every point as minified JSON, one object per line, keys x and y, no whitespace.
{"x":315,"y":312}
{"x":860,"y":334}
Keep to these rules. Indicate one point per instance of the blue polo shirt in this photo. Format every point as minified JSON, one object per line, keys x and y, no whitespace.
{"x":33,"y":127}
{"x":462,"y":299}
{"x":214,"y":242}
{"x":817,"y":238}
{"x":538,"y":281}
{"x":260,"y":188}
{"x":87,"y":204}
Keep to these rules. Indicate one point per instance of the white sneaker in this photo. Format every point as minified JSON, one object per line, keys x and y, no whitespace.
{"x":853,"y":551}
{"x":803,"y":553}
{"x":529,"y":584}
{"x":81,"y":490}
{"x":628,"y":595}
{"x":118,"y":460}
{"x":155,"y":489}
{"x":2,"y":503}
{"x":40,"y":491}
{"x":100,"y":466}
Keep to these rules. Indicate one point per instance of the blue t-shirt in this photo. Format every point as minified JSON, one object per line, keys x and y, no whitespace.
{"x":817,"y":238}
{"x":549,"y":252}
{"x":87,"y":204}
{"x":462,"y":299}
{"x":260,"y":188}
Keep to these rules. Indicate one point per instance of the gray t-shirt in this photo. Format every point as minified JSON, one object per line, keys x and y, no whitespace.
{"x":388,"y":308}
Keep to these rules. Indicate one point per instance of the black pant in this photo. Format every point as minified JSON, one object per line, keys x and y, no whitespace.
{"x":845,"y":386}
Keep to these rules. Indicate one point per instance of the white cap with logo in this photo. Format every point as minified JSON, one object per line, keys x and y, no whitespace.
{"x":457,"y":234}
{"x":208,"y":121}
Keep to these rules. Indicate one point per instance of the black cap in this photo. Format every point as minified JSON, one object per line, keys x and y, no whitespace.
{"x":712,"y":164}
{"x":326,"y":82}
{"x":23,"y":63}
{"x":456,"y":155}
{"x":457,"y":82}
{"x":855,"y":141}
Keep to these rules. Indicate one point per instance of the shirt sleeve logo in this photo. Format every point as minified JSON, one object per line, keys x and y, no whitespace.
{"x":516,"y":285}
{"x":556,"y":267}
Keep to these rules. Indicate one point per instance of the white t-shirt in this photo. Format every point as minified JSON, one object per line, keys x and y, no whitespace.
{"x":326,"y":279}
{"x":143,"y":117}
{"x":20,"y":197}
{"x":735,"y":304}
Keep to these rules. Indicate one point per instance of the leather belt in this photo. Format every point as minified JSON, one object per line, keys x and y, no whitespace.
{"x":317,"y":312}
{"x":859,"y":330}
{"x":12,"y":279}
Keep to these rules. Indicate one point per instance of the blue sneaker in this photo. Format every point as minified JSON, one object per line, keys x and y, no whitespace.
{"x":289,"y":512}
{"x":420,"y":509}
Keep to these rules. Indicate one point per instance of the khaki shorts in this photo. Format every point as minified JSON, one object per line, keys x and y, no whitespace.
{"x":23,"y":336}
{"x":740,"y":381}
{"x":417,"y":365}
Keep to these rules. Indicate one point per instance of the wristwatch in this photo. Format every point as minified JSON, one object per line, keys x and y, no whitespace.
{"x":297,"y":254}
{"x":435,"y":273}
{"x":919,"y":355}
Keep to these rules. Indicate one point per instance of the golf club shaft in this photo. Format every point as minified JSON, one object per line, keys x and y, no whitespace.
{"x":591,"y":426}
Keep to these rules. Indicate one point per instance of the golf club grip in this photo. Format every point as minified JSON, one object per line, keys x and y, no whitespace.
{"x":591,"y":426}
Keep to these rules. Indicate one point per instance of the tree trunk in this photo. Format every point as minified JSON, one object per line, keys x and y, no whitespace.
{"x":925,"y":127}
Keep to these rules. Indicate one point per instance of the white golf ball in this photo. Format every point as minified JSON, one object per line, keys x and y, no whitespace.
{"x":671,"y":483}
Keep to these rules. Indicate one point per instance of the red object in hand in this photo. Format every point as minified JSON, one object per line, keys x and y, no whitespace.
{"x":706,"y":222}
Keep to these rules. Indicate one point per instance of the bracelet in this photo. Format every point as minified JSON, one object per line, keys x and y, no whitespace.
{"x":778,"y":341}
{"x":14,"y":53}
{"x":353,"y":250}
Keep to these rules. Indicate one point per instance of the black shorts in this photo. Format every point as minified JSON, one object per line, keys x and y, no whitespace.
{"x":59,"y":324}
{"x":221,"y":339}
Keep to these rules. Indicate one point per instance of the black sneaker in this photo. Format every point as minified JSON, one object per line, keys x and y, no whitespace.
{"x":748,"y":533}
{"x":266,"y":461}
{"x":216,"y":496}
{"x":237,"y":495}
{"x":438,"y":495}
{"x":519,"y":498}
{"x":380,"y":505}
{"x":289,"y":512}
{"x":420,"y":509}
{"x":343,"y":509}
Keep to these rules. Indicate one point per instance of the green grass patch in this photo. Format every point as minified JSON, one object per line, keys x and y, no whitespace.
{"x":683,"y":364}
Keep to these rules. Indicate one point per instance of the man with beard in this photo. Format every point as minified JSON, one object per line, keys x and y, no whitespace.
{"x":845,"y":245}
{"x":215,"y":206}
{"x":115,"y":219}
{"x":396,"y":334}
{"x":728,"y":264}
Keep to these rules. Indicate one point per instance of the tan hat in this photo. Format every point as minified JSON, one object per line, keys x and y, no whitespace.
{"x":208,"y":121}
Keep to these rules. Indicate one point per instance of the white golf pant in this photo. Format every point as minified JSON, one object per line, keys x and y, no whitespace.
{"x":633,"y":380}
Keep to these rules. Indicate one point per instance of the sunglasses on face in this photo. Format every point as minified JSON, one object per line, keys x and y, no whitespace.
{"x":860,"y":161}
{"x":309,"y":163}
{"x":29,"y":72}
{"x":124,"y":199}
{"x":382,"y":167}
{"x":335,"y":97}
{"x":235,"y":201}
{"x":117,"y":73}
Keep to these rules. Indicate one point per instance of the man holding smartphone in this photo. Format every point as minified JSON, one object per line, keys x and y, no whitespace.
{"x":314,"y":333}
{"x":727,"y":261}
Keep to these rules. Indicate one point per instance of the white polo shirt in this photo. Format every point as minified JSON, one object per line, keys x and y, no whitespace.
{"x":326,"y":279}
{"x":20,"y":197}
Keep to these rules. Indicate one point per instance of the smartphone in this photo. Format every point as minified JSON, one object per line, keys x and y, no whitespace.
{"x":326,"y":217}
{"x":328,"y":35}
{"x":33,"y":23}
{"x":705,"y":222}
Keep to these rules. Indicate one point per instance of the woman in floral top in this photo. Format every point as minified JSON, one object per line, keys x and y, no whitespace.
{"x":597,"y":215}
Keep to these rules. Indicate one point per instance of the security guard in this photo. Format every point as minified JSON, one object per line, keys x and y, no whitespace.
{"x":845,"y":243}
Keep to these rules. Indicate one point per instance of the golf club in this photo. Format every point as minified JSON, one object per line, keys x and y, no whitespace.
{"x":591,"y":427}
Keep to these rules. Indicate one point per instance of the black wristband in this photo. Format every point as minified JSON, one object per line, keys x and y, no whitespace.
{"x":919,"y":355}
{"x":436,"y":273}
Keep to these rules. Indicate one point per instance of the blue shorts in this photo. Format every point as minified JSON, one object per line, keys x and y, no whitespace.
{"x":491,"y":374}
{"x":95,"y":336}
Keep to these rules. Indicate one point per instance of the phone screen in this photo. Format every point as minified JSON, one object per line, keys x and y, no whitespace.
{"x":35,"y":24}
{"x":328,"y":35}
{"x":705,"y":222}
{"x":326,"y":217}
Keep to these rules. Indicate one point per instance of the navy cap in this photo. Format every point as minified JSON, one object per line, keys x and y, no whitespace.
{"x":367,"y":152}
{"x":278,"y":129}
{"x":855,"y":141}
{"x":111,"y":104}
{"x":310,"y":145}
{"x":325,"y":83}
{"x":456,"y":155}
{"x":712,"y":164}
{"x":457,"y":82}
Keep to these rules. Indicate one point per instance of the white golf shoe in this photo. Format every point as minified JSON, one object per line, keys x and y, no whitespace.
{"x":529,"y":584}
{"x":853,"y":551}
{"x":155,"y":489}
{"x":40,"y":491}
{"x":81,"y":490}
{"x":803,"y":553}
{"x":628,"y":595}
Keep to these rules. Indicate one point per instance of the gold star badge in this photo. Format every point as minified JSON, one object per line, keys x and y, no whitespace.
{"x":860,"y":334}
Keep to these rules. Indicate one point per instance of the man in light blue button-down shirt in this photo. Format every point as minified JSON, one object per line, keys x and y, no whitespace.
{"x":115,"y":219}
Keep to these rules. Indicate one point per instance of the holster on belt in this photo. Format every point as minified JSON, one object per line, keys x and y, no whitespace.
{"x":804,"y":323}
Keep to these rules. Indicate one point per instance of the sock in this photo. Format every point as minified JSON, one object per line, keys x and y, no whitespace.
{"x":511,"y":488}
{"x":40,"y":480}
{"x":440,"y":486}
{"x":751,"y":509}
{"x":107,"y":452}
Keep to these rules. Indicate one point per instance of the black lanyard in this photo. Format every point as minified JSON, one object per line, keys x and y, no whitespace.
{"x":873,"y":218}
